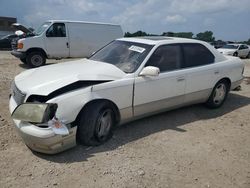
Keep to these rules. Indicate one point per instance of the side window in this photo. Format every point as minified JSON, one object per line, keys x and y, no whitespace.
{"x":166,"y":58}
{"x":241,"y":47}
{"x":196,"y":55}
{"x":245,"y":47}
{"x":56,"y":30}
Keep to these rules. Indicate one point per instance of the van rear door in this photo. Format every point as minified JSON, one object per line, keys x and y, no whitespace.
{"x":56,"y":41}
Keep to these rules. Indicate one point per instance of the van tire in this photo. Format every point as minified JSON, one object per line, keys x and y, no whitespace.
{"x":35,"y":59}
{"x":96,"y":124}
{"x":23,"y":60}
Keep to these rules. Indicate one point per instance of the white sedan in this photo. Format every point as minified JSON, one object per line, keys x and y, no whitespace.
{"x":238,"y":50}
{"x":56,"y":106}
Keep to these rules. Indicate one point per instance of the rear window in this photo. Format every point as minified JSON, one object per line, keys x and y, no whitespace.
{"x":196,"y":55}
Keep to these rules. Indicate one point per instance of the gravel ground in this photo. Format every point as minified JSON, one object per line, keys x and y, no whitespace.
{"x":189,"y":147}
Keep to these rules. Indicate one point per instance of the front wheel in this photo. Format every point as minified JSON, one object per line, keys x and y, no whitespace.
{"x":235,"y":54}
{"x":218,"y":95}
{"x":96,"y":124}
{"x":35,"y":59}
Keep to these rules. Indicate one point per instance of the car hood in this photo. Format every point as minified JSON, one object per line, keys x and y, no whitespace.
{"x":44,"y":80}
{"x":24,"y":29}
{"x":224,"y":50}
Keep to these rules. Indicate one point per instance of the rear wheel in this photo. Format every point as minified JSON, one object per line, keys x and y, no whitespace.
{"x":248,"y":55}
{"x":96,"y":124}
{"x":218,"y":95}
{"x":35,"y":59}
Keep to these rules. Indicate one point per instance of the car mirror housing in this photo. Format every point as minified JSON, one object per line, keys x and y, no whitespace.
{"x":35,"y":112}
{"x":150,"y":71}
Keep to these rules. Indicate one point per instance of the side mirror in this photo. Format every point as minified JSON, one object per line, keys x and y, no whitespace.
{"x":150,"y":71}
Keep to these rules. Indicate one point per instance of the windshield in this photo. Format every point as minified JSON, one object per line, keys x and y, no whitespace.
{"x":127,"y":56}
{"x":42,"y":28}
{"x":228,"y":46}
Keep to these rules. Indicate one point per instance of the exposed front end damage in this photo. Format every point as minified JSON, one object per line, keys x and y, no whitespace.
{"x":41,"y":136}
{"x":45,"y":108}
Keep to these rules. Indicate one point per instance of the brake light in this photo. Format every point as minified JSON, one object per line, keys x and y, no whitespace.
{"x":19,"y":45}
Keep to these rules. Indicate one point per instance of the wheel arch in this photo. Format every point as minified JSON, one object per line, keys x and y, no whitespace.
{"x":225,"y":79}
{"x":94,"y":101}
{"x":35,"y":50}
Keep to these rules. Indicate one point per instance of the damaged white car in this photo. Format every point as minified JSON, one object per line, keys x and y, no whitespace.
{"x":56,"y":106}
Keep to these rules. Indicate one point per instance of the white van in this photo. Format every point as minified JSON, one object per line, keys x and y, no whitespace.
{"x":56,"y":39}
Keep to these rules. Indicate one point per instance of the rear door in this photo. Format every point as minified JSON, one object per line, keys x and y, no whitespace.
{"x":241,"y":51}
{"x":201,"y":72}
{"x":56,"y":41}
{"x":245,"y":50}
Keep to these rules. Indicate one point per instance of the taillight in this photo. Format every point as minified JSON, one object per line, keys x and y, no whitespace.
{"x":19,"y":45}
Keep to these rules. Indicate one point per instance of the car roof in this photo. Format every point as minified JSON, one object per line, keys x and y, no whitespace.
{"x":154,"y":40}
{"x":84,"y":22}
{"x":162,"y":40}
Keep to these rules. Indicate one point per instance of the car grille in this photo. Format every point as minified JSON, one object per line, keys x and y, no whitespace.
{"x":14,"y":44}
{"x":17,"y":94}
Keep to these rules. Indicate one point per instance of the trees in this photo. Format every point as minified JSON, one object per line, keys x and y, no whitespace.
{"x":137,"y":34}
{"x":248,"y":42}
{"x":205,"y":36}
{"x":170,"y":34}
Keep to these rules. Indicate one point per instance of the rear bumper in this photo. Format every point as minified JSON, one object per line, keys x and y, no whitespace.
{"x":20,"y":55}
{"x":236,"y":84}
{"x":43,"y":140}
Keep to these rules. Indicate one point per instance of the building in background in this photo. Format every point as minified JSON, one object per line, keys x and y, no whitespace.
{"x":5,"y":26}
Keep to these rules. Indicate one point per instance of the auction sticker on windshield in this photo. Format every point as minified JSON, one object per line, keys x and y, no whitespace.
{"x":137,"y":49}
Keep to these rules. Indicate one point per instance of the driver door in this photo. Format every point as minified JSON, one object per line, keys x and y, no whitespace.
{"x":152,"y":94}
{"x":56,"y":41}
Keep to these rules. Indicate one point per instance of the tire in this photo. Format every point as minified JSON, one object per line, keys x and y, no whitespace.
{"x":96,"y":124}
{"x":218,"y":95}
{"x":23,"y":60}
{"x":235,"y":54}
{"x":35,"y":59}
{"x":248,"y":55}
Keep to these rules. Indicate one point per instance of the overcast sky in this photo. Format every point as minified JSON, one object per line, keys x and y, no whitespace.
{"x":228,"y":19}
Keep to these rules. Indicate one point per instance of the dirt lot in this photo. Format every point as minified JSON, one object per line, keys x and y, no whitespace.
{"x":189,"y":147}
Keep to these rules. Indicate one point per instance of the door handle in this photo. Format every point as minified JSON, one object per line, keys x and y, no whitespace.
{"x":180,"y":79}
{"x":67,"y":44}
